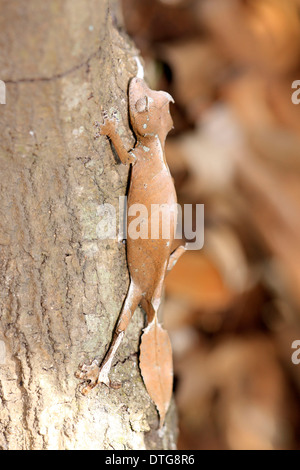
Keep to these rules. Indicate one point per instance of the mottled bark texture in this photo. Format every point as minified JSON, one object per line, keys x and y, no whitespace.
{"x":61,"y":288}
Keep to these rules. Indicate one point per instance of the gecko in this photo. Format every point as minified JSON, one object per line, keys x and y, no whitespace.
{"x":150,"y":183}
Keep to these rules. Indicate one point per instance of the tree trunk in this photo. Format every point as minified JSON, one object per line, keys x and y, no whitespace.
{"x":61,"y":288}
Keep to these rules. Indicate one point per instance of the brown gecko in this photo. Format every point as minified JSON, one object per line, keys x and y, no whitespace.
{"x":151,"y":183}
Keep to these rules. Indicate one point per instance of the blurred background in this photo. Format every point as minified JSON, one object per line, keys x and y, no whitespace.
{"x":233,"y":308}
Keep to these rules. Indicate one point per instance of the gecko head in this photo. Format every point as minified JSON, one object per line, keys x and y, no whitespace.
{"x":149,"y":110}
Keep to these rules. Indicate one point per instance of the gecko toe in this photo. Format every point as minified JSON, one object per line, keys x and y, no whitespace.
{"x":89,"y":374}
{"x":85,"y":389}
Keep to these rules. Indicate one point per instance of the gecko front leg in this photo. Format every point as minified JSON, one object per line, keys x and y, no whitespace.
{"x":109,"y":128}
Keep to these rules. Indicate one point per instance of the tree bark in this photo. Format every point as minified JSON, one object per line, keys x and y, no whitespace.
{"x":61,"y":287}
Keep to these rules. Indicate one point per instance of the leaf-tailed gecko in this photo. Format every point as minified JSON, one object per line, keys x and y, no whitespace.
{"x":151,"y":183}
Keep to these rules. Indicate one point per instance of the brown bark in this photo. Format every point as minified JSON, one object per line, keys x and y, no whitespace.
{"x":61,"y":288}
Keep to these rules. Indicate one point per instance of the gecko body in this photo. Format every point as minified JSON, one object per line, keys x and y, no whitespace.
{"x":151,"y":184}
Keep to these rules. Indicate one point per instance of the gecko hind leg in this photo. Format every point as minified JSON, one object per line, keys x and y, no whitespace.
{"x":96,"y":373}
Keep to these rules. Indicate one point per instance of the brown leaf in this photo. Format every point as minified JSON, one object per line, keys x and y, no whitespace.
{"x":197,"y":280}
{"x":267,"y":31}
{"x":157,"y":366}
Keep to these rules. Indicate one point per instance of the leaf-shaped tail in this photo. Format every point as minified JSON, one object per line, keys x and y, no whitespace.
{"x":157,"y":367}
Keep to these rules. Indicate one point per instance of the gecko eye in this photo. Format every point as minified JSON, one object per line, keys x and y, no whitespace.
{"x":142,"y":104}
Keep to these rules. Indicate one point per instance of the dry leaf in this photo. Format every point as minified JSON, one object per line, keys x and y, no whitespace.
{"x":232,"y":310}
{"x":157,"y":367}
{"x":259,"y":33}
{"x":238,"y":387}
{"x":193,"y":81}
{"x":197,"y":280}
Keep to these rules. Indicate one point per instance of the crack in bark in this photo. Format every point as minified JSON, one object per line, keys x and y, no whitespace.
{"x":5,"y":432}
{"x":25,"y":398}
{"x":56,"y":76}
{"x":127,"y":358}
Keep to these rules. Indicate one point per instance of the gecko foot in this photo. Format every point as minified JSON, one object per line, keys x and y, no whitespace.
{"x":108,"y":126}
{"x":89,"y":374}
{"x":92,"y":375}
